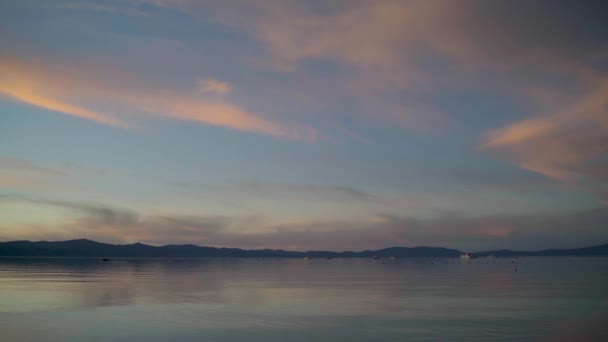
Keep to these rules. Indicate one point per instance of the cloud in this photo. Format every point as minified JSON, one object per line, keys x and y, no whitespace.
{"x":388,"y":59}
{"x":417,"y":49}
{"x":210,"y":85}
{"x":569,"y":144}
{"x":107,"y":223}
{"x":123,"y":94}
{"x":294,"y":191}
{"x":365,"y":34}
{"x":396,"y":35}
{"x":96,"y":215}
{"x":526,"y":231}
{"x":22,"y":165}
{"x":16,"y":173}
{"x":23,"y":91}
{"x":25,"y":183}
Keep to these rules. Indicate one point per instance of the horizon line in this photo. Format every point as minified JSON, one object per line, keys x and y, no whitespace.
{"x":303,"y":251}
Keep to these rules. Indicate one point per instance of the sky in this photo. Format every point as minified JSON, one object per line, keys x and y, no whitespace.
{"x":341,"y":125}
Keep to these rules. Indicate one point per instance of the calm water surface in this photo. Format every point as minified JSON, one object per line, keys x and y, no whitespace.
{"x":547,"y":299}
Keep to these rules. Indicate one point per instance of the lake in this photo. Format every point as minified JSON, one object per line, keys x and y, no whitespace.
{"x":416,"y":299}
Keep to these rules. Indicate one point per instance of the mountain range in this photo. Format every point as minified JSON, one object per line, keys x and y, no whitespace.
{"x":88,"y":248}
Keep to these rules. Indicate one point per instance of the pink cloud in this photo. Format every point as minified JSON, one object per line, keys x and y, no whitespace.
{"x":75,"y":90}
{"x":567,"y":144}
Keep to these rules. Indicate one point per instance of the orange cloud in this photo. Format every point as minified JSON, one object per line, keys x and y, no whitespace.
{"x":17,"y":83}
{"x":567,"y":145}
{"x":73,"y":90}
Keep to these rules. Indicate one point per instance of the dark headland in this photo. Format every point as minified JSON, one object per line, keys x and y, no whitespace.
{"x":88,"y":248}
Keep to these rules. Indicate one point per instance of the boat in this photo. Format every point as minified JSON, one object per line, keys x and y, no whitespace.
{"x":466,"y":256}
{"x":306,"y":258}
{"x":376,"y":257}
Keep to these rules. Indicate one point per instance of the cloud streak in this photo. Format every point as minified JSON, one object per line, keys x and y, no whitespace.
{"x":211,"y":85}
{"x":105,"y":223}
{"x":293,"y":191}
{"x":22,"y":165}
{"x":16,"y":173}
{"x":72,"y":90}
{"x":570,"y":144}
{"x":26,"y":94}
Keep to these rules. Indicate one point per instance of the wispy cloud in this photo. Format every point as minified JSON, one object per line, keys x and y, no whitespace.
{"x":569,"y":144}
{"x":22,"y":165}
{"x":98,"y":214}
{"x":93,"y":220}
{"x":211,"y":85}
{"x":390,"y":52}
{"x":24,"y":90}
{"x":415,"y":48}
{"x":21,"y":174}
{"x":76,"y":88}
{"x":113,"y":224}
{"x":25,"y":183}
{"x":297,"y":190}
{"x":395,"y":36}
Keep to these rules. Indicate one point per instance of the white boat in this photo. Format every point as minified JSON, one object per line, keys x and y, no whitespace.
{"x":466,"y":256}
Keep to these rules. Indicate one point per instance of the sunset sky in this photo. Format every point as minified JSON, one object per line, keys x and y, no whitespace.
{"x":342,"y":125}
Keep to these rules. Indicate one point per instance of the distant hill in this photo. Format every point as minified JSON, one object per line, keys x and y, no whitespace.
{"x":600,"y":250}
{"x":88,"y":248}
